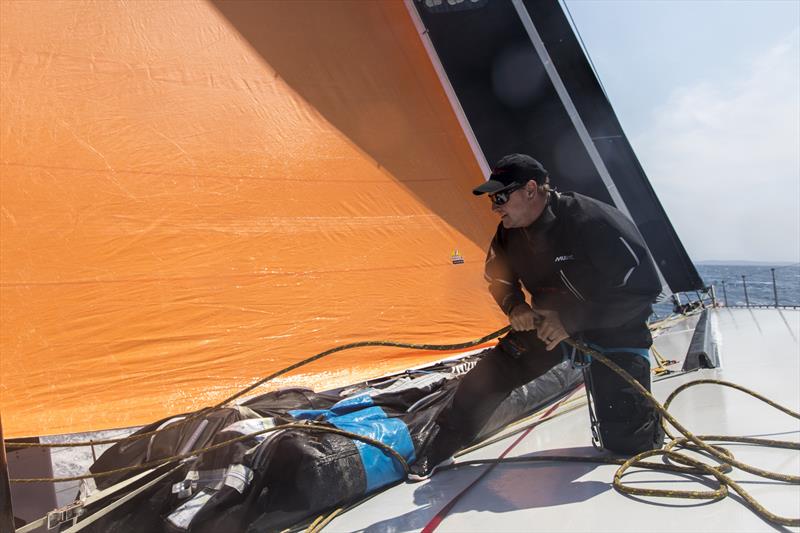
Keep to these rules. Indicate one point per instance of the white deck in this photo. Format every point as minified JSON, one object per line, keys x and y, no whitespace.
{"x":759,"y":350}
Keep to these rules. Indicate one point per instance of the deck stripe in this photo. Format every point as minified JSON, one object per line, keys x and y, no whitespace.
{"x":444,"y":511}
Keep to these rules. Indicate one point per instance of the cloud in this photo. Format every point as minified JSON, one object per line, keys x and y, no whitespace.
{"x":724,"y":158}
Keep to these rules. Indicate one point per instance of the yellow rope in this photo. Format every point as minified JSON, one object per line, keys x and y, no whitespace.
{"x":725,"y":458}
{"x":312,"y":525}
{"x":327,"y":520}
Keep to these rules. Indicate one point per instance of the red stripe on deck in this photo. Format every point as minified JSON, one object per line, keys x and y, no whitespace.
{"x":444,"y":511}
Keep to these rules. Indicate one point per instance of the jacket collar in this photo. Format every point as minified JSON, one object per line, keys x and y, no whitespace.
{"x":546,"y":219}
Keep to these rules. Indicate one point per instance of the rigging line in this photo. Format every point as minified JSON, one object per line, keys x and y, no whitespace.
{"x":439,"y":347}
{"x":249,"y":388}
{"x":663,"y":467}
{"x":192,"y":453}
{"x":327,"y":520}
{"x":585,"y":49}
{"x":200,"y":412}
{"x":313,"y":525}
{"x":689,"y":440}
{"x":697,"y":442}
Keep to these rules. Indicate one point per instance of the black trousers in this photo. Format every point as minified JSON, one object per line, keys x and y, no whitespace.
{"x":627,"y":422}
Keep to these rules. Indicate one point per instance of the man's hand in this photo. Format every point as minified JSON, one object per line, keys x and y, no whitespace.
{"x":549,"y":328}
{"x":522,"y":318}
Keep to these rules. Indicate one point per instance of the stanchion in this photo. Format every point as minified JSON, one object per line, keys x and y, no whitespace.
{"x":6,"y":513}
{"x":746,"y":299}
{"x":724,"y":293}
{"x":774,"y":287}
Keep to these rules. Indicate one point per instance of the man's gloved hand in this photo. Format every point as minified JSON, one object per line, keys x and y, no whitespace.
{"x":522,"y":318}
{"x":549,"y":328}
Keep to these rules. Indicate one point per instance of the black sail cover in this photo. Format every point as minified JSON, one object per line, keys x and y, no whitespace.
{"x":512,"y":104}
{"x":275,"y":480}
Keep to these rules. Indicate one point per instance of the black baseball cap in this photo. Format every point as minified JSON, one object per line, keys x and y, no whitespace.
{"x":510,"y":171}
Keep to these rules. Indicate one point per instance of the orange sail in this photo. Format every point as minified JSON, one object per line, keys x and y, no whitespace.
{"x":194,"y":195}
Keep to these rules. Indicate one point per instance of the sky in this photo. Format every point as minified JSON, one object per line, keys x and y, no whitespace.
{"x":708,"y":93}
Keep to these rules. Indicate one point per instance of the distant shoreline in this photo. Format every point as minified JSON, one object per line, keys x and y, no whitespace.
{"x":712,"y":262}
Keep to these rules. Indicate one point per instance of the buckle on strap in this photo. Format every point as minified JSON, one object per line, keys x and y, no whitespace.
{"x":577,"y":359}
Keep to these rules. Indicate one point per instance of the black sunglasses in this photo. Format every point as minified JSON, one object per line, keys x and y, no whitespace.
{"x":501,"y":198}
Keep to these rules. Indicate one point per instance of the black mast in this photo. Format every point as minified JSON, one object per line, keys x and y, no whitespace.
{"x":525,"y":85}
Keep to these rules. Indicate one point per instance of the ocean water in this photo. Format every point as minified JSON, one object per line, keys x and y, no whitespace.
{"x":758,"y":279}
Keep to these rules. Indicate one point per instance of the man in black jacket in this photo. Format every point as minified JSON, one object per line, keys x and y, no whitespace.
{"x":590,"y":277}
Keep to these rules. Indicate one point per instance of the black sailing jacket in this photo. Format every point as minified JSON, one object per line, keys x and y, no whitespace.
{"x":584,"y":259}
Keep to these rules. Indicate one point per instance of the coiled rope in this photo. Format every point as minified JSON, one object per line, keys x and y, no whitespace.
{"x":725,"y":458}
